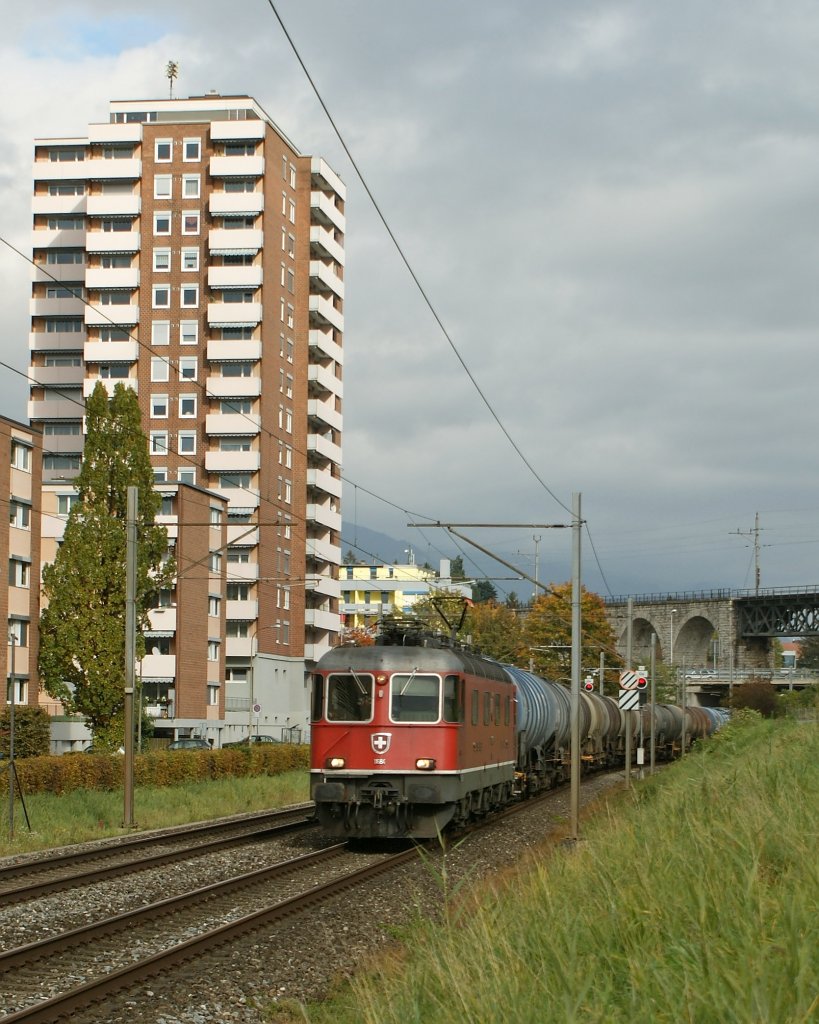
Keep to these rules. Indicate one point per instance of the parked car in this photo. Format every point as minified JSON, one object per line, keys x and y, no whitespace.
{"x":189,"y":743}
{"x":251,"y":739}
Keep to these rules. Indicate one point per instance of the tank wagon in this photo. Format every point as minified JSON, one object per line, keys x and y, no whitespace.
{"x":415,"y":734}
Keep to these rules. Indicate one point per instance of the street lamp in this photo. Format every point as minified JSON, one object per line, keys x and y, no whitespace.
{"x":671,"y":646}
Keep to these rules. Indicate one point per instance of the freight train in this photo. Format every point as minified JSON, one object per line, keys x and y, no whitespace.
{"x":416,"y":734}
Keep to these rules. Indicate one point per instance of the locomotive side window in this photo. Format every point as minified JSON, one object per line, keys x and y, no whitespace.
{"x":507,"y":710}
{"x":317,"y":702}
{"x":453,"y":699}
{"x":497,"y":709}
{"x":475,"y":706}
{"x":349,"y":697}
{"x":415,"y":698}
{"x":487,"y":708}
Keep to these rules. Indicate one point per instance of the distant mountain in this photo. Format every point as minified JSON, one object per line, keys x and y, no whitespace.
{"x":373,"y":547}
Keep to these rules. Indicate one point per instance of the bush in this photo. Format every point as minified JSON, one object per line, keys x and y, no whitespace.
{"x":63,"y":774}
{"x":31,"y":731}
{"x":758,"y":694}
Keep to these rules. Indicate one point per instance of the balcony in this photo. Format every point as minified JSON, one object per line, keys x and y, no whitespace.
{"x":323,"y":312}
{"x":57,"y":408}
{"x":323,"y":176}
{"x":323,"y":243}
{"x":317,"y":618}
{"x":113,"y":169}
{"x":111,"y":241}
{"x":238,"y":498}
{"x":111,"y":351}
{"x":234,"y":387}
{"x":324,"y":211}
{"x":324,"y":516}
{"x":237,"y":131}
{"x":234,"y":314}
{"x":121,"y":316}
{"x":56,"y":341}
{"x":323,"y":551}
{"x":57,"y":375}
{"x":324,"y":280}
{"x":107,"y":133}
{"x":245,"y":535}
{"x":234,"y":424}
{"x":89,"y":384}
{"x":157,"y":667}
{"x":60,"y":170}
{"x":114,"y":206}
{"x":235,"y":240}
{"x":220,"y":351}
{"x":242,"y":572}
{"x":322,"y":347}
{"x":325,"y":586}
{"x":237,"y":166}
{"x":112,"y":277}
{"x":235,"y":277}
{"x":238,"y":647}
{"x":52,"y":238}
{"x":48,"y":273}
{"x":232,"y":462}
{"x":323,"y":480}
{"x":242,"y":611}
{"x":161,"y":620}
{"x":323,"y":379}
{"x":324,"y":413}
{"x":57,"y":307}
{"x":320,"y":446}
{"x":57,"y":205}
{"x":227,"y":203}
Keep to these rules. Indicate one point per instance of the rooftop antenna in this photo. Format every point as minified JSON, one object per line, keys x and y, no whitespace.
{"x":171,"y":72}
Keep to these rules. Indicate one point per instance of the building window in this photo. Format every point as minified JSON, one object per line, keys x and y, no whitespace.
{"x":163,"y":183}
{"x":189,"y":295}
{"x":18,"y":628}
{"x":19,"y":573}
{"x":160,"y":369}
{"x":113,"y":371}
{"x":190,"y":223}
{"x":159,"y":407}
{"x":162,"y":223}
{"x":113,"y":334}
{"x":187,"y":367}
{"x":186,"y":475}
{"x":159,"y":442}
{"x":187,"y":442}
{"x":215,"y":561}
{"x":160,"y":476}
{"x":21,"y":456}
{"x":187,"y":406}
{"x":163,"y":150}
{"x":190,"y":259}
{"x":162,"y":296}
{"x":19,"y":515}
{"x":162,"y":259}
{"x":190,"y":186}
{"x":213,"y":695}
{"x":65,"y":502}
{"x":191,"y":150}
{"x":62,"y":462}
{"x":161,"y":332}
{"x":188,"y":332}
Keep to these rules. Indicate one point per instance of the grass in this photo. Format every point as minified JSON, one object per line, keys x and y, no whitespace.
{"x":695,"y":899}
{"x":82,"y":815}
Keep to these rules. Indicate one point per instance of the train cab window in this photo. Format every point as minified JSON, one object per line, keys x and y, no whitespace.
{"x":415,"y":698}
{"x":453,"y":699}
{"x":476,"y":698}
{"x":487,"y":708}
{"x":317,"y":702}
{"x":507,"y":710}
{"x":497,"y":709}
{"x":349,"y":697}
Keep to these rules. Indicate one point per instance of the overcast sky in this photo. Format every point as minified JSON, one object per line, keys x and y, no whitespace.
{"x":613,"y":210}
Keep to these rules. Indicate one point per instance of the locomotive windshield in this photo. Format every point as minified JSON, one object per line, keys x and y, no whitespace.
{"x":349,"y":697}
{"x":414,"y":698}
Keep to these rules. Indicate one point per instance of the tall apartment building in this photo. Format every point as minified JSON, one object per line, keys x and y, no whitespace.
{"x":186,"y":249}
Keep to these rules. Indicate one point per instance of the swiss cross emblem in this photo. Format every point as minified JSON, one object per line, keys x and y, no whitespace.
{"x":380,"y":742}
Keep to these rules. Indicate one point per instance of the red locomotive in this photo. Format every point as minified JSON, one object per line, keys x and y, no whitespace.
{"x":408,"y":738}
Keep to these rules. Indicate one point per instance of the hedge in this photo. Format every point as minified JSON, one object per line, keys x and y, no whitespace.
{"x":67,"y":772}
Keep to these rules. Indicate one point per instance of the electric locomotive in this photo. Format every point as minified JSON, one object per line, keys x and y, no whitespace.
{"x":408,"y":736}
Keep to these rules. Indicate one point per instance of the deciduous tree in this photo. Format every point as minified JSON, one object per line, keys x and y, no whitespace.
{"x":82,"y":646}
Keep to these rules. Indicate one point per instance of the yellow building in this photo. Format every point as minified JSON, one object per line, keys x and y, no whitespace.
{"x":369,"y":592}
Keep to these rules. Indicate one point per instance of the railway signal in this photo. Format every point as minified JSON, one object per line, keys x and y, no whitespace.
{"x":588,"y":684}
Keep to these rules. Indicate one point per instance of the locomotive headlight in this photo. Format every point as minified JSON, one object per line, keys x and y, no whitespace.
{"x":335,"y":762}
{"x":425,"y":764}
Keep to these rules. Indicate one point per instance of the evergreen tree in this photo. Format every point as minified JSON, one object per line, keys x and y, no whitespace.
{"x":456,"y":568}
{"x":483,"y":590}
{"x":82,"y":630}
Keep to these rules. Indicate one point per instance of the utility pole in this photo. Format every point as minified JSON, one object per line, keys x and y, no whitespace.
{"x":755,"y":534}
{"x":629,"y":651}
{"x":12,"y":770}
{"x":130,"y":651}
{"x":537,"y":565}
{"x":576,"y":659}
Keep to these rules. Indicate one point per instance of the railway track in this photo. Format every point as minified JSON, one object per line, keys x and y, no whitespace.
{"x":47,"y":981}
{"x":32,"y":879}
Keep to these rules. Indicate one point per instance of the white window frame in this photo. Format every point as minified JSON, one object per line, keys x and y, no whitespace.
{"x":157,"y":292}
{"x":186,"y":475}
{"x":161,"y":332}
{"x":188,"y":332}
{"x":190,"y":401}
{"x":191,"y":230}
{"x":164,"y":215}
{"x":160,"y":257}
{"x":158,"y":442}
{"x":191,"y":299}
{"x":160,"y":369}
{"x":163,"y":159}
{"x":163,"y":186}
{"x":189,"y":258}
{"x":186,"y":442}
{"x":191,"y":180}
{"x":188,"y":367}
{"x":158,"y":401}
{"x":191,"y":142}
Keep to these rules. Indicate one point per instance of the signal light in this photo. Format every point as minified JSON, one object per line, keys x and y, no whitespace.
{"x":642,"y":682}
{"x":425,"y":764}
{"x":588,"y":685}
{"x":335,"y":763}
